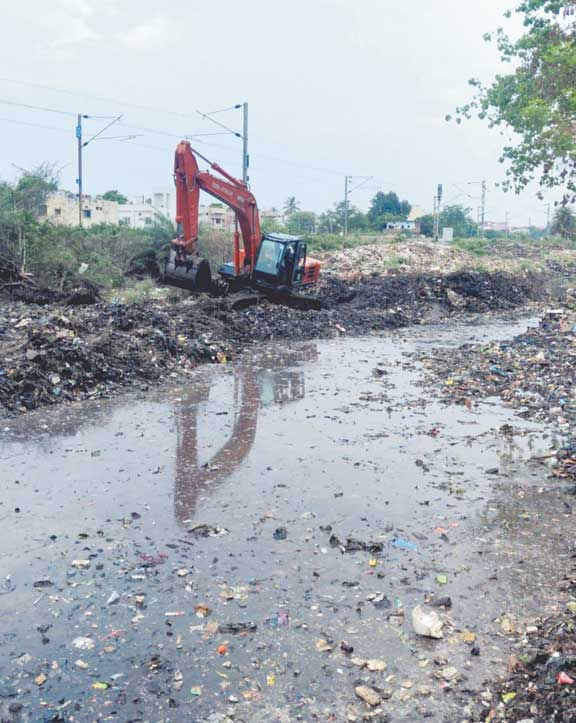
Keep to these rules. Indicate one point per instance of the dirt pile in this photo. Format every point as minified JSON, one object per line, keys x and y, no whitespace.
{"x":535,"y":372}
{"x":60,"y":353}
{"x":541,"y":685}
{"x":426,"y":256}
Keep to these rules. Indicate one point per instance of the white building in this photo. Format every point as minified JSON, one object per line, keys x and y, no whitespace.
{"x":146,"y":210}
{"x":219,"y":217}
{"x":61,"y":207}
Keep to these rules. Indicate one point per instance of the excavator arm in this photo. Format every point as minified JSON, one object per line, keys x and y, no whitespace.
{"x":185,"y":264}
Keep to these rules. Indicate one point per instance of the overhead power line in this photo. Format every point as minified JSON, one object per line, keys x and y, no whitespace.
{"x":46,"y":109}
{"x":34,"y":125}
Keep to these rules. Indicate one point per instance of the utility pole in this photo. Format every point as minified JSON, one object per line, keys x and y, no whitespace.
{"x":347,"y":179}
{"x":483,"y":211}
{"x":79,"y":179}
{"x":507,"y":222}
{"x":245,"y":157}
{"x":437,"y":204}
{"x":548,"y":205}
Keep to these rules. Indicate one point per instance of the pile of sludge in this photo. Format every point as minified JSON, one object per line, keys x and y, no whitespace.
{"x":53,"y":353}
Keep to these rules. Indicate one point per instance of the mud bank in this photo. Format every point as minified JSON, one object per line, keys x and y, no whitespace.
{"x":52,"y":354}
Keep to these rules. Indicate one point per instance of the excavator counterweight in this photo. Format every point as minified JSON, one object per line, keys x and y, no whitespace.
{"x":275,"y":265}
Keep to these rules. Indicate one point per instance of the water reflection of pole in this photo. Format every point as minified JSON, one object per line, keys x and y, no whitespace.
{"x":250,"y":394}
{"x":192,"y":478}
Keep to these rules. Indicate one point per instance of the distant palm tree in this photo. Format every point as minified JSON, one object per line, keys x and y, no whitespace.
{"x":291,"y":205}
{"x":564,"y":222}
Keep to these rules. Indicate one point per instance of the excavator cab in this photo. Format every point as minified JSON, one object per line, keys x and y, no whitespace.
{"x":281,"y":262}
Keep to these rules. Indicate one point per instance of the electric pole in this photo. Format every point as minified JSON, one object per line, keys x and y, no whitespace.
{"x":437,"y":204}
{"x":483,"y":212}
{"x":548,"y":218}
{"x":79,"y":179}
{"x":346,"y":181}
{"x":482,"y":208}
{"x":245,"y":157}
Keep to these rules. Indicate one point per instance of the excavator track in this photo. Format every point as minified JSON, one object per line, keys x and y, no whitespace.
{"x":293,"y":301}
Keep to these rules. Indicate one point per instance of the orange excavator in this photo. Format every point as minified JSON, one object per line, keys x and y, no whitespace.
{"x":274,"y":265}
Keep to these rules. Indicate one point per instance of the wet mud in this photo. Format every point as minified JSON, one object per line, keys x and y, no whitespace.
{"x":61,"y":353}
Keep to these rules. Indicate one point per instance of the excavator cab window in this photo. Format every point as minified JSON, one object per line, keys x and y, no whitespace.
{"x":270,"y":257}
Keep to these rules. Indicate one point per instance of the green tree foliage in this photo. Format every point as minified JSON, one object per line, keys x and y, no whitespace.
{"x":456,"y":217}
{"x":33,"y":186}
{"x":459,"y":218}
{"x":291,"y":205}
{"x":115,"y":195}
{"x":536,"y":99}
{"x":387,"y":207}
{"x":54,"y":253}
{"x":270,"y":225}
{"x":426,"y":225}
{"x":20,"y":204}
{"x":564,"y":222}
{"x":301,"y":222}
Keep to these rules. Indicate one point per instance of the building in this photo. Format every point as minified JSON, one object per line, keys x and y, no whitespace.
{"x":218,"y":217}
{"x":146,"y":210}
{"x":61,"y":207}
{"x":274,"y":216}
{"x":402,"y":226}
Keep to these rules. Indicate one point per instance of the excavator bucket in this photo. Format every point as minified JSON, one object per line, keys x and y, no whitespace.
{"x":193,"y":275}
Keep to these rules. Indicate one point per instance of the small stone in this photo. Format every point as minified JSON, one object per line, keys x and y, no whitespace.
{"x":407,"y":684}
{"x":424,"y":690}
{"x":376,"y":666}
{"x":83,"y":643}
{"x":113,"y":599}
{"x":40,"y":679}
{"x":449,"y":673}
{"x":81,"y":664}
{"x":81,"y":564}
{"x":368,"y":695}
{"x":182,"y":572}
{"x":15,"y":707}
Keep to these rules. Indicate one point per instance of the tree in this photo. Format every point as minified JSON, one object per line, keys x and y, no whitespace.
{"x":329,"y":222}
{"x":426,"y":225}
{"x":536,"y":99}
{"x":386,"y":207}
{"x":456,"y":217}
{"x":33,"y":186}
{"x":270,"y":225}
{"x":20,"y":205}
{"x":291,"y":205}
{"x":116,"y":196}
{"x":301,"y":222}
{"x":564,"y":222}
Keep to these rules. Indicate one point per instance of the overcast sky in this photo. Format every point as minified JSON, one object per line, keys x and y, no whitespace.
{"x":335,"y":87}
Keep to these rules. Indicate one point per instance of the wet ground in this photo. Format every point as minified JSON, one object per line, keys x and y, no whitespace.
{"x":115,"y":605}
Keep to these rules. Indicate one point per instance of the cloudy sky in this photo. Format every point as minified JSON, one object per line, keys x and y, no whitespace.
{"x":334,"y":87}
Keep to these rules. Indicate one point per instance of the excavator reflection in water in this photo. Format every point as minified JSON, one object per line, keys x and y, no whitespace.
{"x":273,"y":377}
